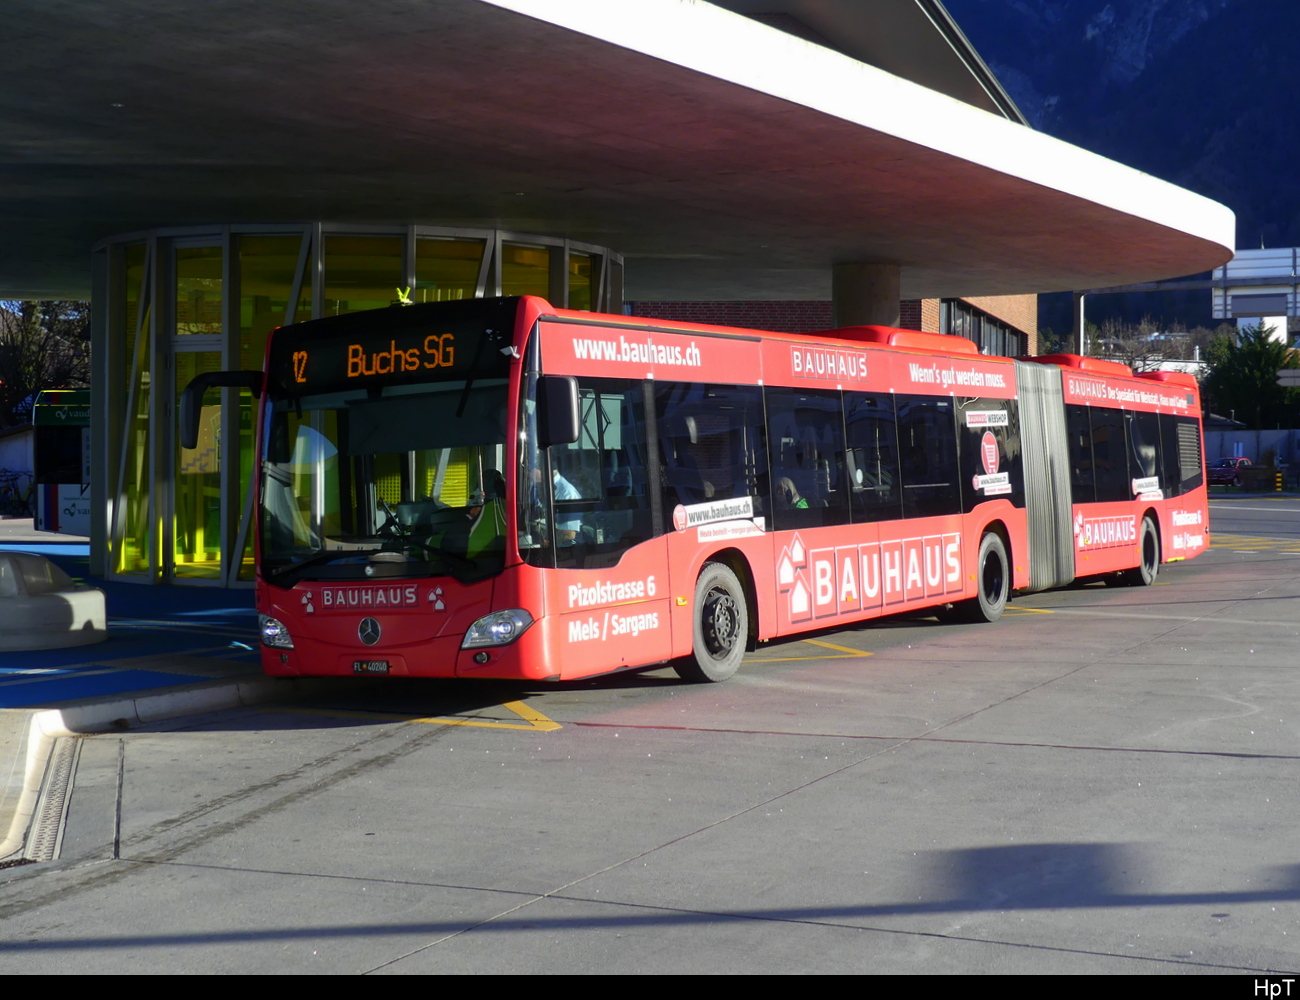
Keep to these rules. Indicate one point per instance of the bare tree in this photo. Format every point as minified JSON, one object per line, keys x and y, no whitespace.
{"x":43,"y":345}
{"x":1139,"y":345}
{"x":1144,"y":347}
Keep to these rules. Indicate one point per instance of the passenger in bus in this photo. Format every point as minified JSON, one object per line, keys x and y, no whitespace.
{"x":494,"y":484}
{"x":566,"y":530}
{"x":619,"y":482}
{"x":787,"y":497}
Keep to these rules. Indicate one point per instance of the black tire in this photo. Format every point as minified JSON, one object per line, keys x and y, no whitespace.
{"x":1145,"y":573}
{"x":721,"y":627}
{"x":993,"y":578}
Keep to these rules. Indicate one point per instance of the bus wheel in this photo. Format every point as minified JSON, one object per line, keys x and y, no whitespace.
{"x":994,"y":578}
{"x":721,"y":627}
{"x":1145,"y":573}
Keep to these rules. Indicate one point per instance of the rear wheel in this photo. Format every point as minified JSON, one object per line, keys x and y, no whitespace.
{"x":1144,"y":574}
{"x":721,"y":627}
{"x":993,"y":573}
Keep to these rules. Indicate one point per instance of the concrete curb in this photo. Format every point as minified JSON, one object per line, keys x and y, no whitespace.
{"x":129,"y":711}
{"x":22,"y":790}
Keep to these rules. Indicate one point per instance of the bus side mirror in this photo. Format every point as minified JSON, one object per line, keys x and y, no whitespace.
{"x":192,"y":398}
{"x":557,"y":410}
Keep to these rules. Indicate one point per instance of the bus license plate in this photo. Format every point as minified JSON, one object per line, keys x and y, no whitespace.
{"x":370,"y":666}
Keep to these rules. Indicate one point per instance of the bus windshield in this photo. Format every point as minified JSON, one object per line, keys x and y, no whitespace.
{"x":385,"y":481}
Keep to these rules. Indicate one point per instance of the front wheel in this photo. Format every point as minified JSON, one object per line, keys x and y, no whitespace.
{"x":721,"y":627}
{"x":993,"y":575}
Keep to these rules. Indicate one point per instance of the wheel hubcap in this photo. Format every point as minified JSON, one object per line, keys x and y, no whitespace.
{"x":721,"y":623}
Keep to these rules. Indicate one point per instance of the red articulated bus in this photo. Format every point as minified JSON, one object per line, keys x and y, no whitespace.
{"x":499,"y":488}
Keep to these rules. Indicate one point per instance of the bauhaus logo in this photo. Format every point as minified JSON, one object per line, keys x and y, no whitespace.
{"x":1104,"y":532}
{"x":846,"y":579}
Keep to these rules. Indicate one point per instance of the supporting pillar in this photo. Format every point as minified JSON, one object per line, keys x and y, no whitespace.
{"x":865,"y":294}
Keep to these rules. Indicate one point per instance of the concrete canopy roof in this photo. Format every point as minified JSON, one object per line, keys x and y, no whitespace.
{"x":725,"y":158}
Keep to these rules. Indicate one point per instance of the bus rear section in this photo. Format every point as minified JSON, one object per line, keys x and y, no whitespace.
{"x":1133,"y":447}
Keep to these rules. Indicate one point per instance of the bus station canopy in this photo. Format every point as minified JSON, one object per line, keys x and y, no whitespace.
{"x":726,"y":158}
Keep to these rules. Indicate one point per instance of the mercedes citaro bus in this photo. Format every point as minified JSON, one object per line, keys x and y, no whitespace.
{"x":499,"y":488}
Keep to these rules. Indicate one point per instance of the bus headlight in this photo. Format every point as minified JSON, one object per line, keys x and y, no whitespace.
{"x":500,"y":628}
{"x":274,"y":633}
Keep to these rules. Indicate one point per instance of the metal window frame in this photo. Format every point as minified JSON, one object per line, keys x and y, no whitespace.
{"x":158,"y":337}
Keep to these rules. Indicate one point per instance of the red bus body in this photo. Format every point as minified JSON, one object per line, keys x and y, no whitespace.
{"x":640,"y":610}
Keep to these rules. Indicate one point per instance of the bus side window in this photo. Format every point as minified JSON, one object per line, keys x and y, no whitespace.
{"x":711,"y":444}
{"x":1078,"y":429}
{"x":602,"y":487}
{"x":1143,"y":446}
{"x":872,"y":457}
{"x":927,"y":441}
{"x":978,"y":418}
{"x":1109,"y":455}
{"x":805,"y":430}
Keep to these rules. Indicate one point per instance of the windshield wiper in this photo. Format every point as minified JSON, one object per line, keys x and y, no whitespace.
{"x":328,"y":555}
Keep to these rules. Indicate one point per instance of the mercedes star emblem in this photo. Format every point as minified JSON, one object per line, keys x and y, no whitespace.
{"x":368,"y":631}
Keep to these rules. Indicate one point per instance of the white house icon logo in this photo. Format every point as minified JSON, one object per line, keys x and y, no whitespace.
{"x":792,"y":580}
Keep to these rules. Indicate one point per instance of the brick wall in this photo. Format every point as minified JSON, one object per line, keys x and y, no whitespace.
{"x":930,"y":316}
{"x":1020,"y":311}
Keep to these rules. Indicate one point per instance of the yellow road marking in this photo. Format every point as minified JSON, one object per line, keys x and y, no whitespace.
{"x":852,"y":654}
{"x":842,"y":649}
{"x":1250,"y":543}
{"x":1012,"y":612}
{"x":535,"y":720}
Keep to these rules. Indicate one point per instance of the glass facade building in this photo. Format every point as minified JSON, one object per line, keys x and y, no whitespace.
{"x":992,"y":336}
{"x":171,"y":303}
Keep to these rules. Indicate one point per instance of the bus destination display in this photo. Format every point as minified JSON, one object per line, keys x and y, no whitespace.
{"x":385,"y":347}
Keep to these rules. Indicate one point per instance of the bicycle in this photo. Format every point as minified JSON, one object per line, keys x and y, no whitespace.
{"x":15,"y":496}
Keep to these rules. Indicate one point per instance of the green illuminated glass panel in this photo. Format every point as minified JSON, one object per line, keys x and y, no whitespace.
{"x":136,"y":532}
{"x":198,"y":290}
{"x":446,"y":269}
{"x":267,"y":266}
{"x":525,"y":270}
{"x":266,"y":271}
{"x":196,"y":488}
{"x":579,"y":281}
{"x":362,"y":272}
{"x":133,"y":280}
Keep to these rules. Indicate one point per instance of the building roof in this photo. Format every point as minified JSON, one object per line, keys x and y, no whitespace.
{"x":724,"y":156}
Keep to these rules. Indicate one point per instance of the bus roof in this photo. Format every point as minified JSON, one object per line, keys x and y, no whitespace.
{"x":1098,"y":366}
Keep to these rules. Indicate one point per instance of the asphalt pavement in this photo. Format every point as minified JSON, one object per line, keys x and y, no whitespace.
{"x":1100,"y":782}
